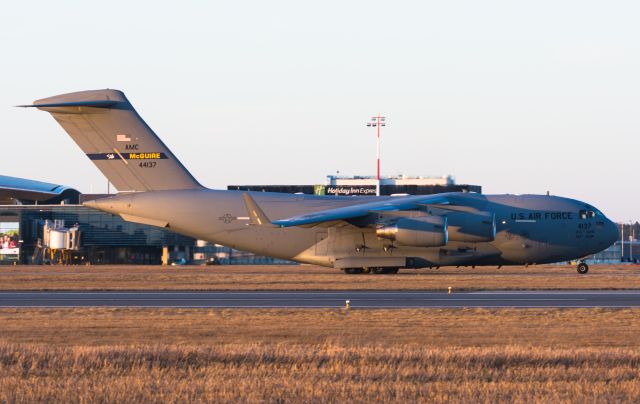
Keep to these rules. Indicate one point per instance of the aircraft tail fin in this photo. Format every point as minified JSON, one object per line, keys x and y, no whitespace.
{"x":112,"y":134}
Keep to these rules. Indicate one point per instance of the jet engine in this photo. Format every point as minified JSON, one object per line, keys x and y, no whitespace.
{"x":471,"y":227}
{"x":430,"y":231}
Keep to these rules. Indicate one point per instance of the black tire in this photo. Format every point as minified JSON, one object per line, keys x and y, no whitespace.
{"x":582,"y":268}
{"x":391,"y":270}
{"x":378,"y":270}
{"x":352,"y":271}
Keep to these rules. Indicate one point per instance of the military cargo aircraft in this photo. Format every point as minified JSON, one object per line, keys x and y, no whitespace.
{"x":355,"y":234}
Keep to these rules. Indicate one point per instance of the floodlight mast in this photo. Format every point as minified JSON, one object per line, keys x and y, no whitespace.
{"x":377,"y":122}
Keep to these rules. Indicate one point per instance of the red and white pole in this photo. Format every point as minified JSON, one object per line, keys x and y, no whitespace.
{"x":377,"y":121}
{"x":378,"y":151}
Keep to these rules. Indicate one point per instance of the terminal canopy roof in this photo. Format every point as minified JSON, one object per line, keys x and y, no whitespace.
{"x":26,"y":191}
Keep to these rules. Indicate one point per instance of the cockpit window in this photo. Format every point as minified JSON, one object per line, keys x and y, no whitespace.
{"x":591,"y":211}
{"x":587,"y":214}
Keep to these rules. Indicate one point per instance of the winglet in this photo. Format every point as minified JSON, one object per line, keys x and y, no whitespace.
{"x":256,"y":215}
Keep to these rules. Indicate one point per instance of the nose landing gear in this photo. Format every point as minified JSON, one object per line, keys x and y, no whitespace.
{"x":582,"y":268}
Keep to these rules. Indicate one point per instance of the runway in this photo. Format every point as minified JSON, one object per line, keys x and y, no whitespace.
{"x":319,"y":299}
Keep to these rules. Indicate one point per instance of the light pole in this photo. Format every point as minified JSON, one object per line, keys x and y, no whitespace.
{"x":621,"y":241}
{"x":630,"y":241}
{"x":377,"y":122}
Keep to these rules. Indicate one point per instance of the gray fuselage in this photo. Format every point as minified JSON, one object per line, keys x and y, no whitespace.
{"x":529,"y":229}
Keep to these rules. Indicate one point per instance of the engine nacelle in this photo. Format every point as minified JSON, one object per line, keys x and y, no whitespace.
{"x":430,"y":231}
{"x":471,"y":227}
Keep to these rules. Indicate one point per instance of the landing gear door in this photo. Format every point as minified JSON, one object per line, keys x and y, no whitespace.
{"x":346,"y":242}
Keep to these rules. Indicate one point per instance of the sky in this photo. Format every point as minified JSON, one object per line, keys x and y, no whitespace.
{"x":519,"y":97}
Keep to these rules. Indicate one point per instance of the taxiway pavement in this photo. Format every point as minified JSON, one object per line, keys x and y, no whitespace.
{"x":321,"y":299}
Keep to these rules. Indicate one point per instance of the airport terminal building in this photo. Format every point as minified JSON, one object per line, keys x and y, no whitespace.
{"x":366,"y":186}
{"x":42,"y":222}
{"x":46,"y":223}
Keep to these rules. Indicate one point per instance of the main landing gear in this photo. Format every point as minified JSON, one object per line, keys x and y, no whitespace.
{"x":582,"y":268}
{"x":374,"y":270}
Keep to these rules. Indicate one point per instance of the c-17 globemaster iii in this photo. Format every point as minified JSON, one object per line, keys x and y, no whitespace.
{"x":355,"y":234}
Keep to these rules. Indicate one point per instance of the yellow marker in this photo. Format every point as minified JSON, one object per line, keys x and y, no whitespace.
{"x":346,"y":304}
{"x":449,"y":291}
{"x":120,"y":155}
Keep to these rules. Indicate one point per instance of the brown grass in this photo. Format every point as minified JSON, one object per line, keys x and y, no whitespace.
{"x":555,"y":328}
{"x":311,"y":278}
{"x":179,"y":355}
{"x":316,"y":373}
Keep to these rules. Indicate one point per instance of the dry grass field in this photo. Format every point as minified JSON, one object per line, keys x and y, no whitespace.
{"x":179,"y":355}
{"x":291,"y":355}
{"x":316,"y":374}
{"x":311,"y":278}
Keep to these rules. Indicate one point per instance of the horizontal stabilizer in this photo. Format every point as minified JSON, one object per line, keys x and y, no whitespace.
{"x":92,"y":104}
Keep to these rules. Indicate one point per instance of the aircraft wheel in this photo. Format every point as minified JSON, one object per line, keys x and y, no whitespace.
{"x":352,"y":271}
{"x":583,"y":268}
{"x":391,"y":270}
{"x":378,"y":270}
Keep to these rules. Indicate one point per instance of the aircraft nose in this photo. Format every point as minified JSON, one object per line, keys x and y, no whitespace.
{"x":611,"y":232}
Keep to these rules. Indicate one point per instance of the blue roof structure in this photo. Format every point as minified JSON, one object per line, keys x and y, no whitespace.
{"x":30,"y":190}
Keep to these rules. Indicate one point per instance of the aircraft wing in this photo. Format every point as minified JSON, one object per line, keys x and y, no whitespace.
{"x":363,"y":209}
